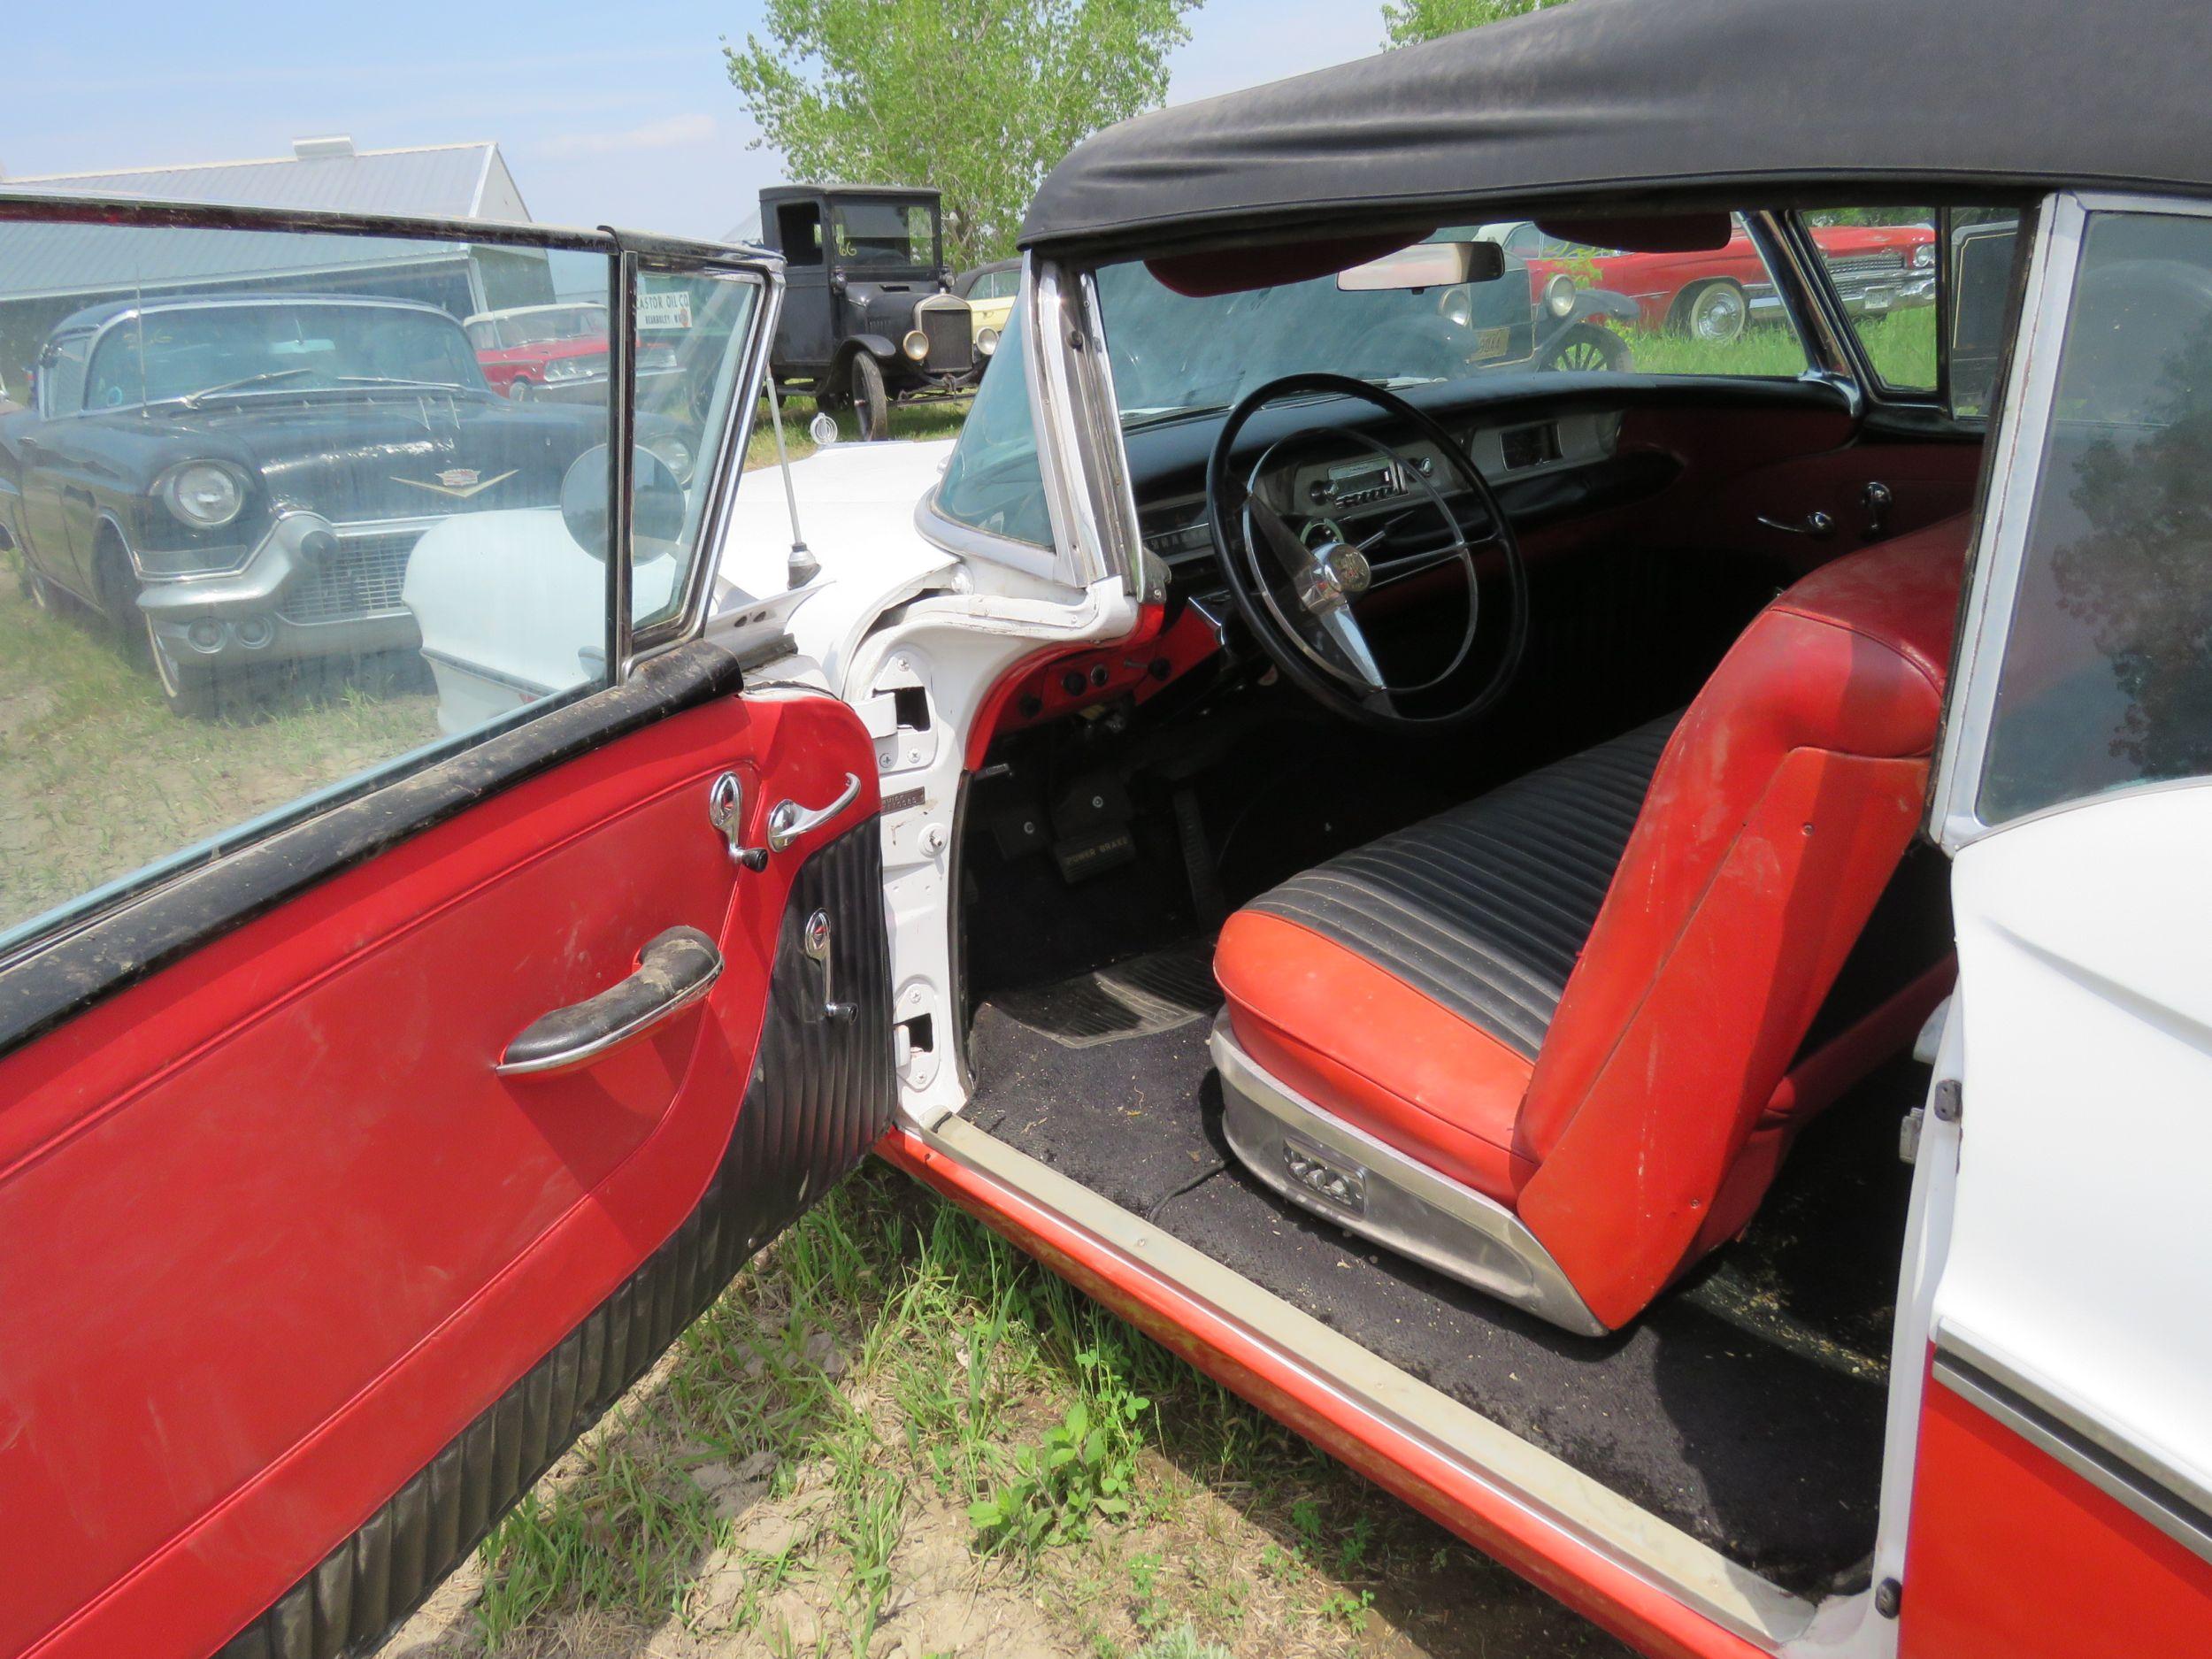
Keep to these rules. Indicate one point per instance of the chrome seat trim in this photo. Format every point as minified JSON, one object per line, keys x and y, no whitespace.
{"x":1402,"y":1205}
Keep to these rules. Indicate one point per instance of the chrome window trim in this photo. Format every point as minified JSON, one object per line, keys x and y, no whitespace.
{"x":1803,"y":293}
{"x":691,"y":619}
{"x":941,"y":529}
{"x":1088,"y":494}
{"x":2026,"y":396}
{"x":2170,"y":1499}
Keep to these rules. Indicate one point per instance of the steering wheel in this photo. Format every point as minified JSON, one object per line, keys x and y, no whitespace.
{"x":1302,"y":600}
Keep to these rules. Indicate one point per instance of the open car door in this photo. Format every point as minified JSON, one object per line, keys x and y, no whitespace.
{"x":354,"y":1160}
{"x":2063,"y":1482}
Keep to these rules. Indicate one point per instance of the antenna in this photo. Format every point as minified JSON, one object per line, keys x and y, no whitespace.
{"x":803,"y":567}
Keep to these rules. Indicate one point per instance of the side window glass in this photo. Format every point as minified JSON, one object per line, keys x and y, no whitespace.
{"x":1881,"y":261}
{"x":310,"y":526}
{"x":799,"y":231}
{"x":2105,"y":681}
{"x":993,"y":481}
{"x":1983,"y":245}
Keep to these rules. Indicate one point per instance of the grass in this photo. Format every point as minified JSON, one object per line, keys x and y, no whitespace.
{"x":826,"y":1463}
{"x":100,"y":778}
{"x":908,"y":421}
{"x":1902,"y":347}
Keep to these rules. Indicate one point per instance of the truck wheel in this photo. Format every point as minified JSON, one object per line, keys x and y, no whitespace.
{"x":868,"y":398}
{"x":1714,"y":312}
{"x":1585,"y":347}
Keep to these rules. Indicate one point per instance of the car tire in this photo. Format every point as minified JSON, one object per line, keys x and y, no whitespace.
{"x":522,"y":391}
{"x":868,"y":401}
{"x":187,"y":694}
{"x":1714,"y":313}
{"x":1585,"y":347}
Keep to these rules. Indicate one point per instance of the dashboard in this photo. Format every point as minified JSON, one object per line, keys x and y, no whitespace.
{"x":1336,"y":485}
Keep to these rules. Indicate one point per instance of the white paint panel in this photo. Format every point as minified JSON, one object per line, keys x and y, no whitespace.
{"x":2081,"y":1249}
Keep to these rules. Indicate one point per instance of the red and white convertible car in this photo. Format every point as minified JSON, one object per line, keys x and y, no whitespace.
{"x":1632,"y":954}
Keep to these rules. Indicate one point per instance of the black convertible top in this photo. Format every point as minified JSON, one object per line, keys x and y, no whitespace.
{"x":1734,"y":103}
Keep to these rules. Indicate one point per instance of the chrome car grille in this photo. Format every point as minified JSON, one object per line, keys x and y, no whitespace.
{"x":1853,"y":271}
{"x":951,"y":344}
{"x":361,"y":580}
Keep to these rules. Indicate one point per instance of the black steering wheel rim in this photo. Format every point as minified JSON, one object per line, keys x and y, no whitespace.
{"x":1257,"y":608}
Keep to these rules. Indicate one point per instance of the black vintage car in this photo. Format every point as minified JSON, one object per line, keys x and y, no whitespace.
{"x":867,"y":317}
{"x":244,"y":476}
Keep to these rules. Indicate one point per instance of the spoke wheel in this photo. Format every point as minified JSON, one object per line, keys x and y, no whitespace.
{"x":869,"y":401}
{"x":1585,"y":349}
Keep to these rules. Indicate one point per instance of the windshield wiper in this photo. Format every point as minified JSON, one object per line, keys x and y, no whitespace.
{"x":394,"y":379}
{"x":191,"y":400}
{"x":1141,"y":418}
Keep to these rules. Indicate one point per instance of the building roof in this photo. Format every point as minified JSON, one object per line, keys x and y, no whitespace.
{"x":1718,"y":102}
{"x":432,"y":182}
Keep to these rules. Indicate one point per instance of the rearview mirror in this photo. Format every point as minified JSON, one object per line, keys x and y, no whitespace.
{"x":1426,"y":264}
{"x":656,"y":517}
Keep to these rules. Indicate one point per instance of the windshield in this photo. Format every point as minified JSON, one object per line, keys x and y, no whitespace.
{"x":1172,"y":353}
{"x":902,"y":233}
{"x":1559,"y":307}
{"x":290,"y":347}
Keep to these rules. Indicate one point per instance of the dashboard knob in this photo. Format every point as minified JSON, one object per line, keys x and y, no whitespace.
{"x":1427,"y":464}
{"x":1321,"y":489}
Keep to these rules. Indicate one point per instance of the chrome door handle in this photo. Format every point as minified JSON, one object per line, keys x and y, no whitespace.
{"x":726,"y":810}
{"x":675,"y":969}
{"x":790,"y":820}
{"x":1817,"y":524}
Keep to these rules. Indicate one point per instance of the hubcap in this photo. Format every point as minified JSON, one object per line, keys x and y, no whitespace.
{"x":1719,"y":316}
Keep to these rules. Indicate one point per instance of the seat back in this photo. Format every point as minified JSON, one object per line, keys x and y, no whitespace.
{"x":1779,"y":812}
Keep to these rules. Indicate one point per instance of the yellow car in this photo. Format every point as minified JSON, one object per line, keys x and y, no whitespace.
{"x":989,"y":290}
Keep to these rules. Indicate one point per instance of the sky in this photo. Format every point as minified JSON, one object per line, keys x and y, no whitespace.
{"x":607,"y":114}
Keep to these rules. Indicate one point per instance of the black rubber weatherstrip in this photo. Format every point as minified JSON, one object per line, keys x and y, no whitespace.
{"x":144,"y":932}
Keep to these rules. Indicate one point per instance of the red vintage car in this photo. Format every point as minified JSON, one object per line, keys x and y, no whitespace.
{"x":529,"y":351}
{"x":1713,"y":292}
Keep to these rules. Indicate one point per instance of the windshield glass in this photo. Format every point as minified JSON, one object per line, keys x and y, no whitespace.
{"x":885,"y":233}
{"x":293,"y":347}
{"x":1560,"y":307}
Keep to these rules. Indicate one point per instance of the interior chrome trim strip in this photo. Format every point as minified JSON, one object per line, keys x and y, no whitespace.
{"x":1484,"y":1453}
{"x":1403,"y":1205}
{"x":2168,"y":1498}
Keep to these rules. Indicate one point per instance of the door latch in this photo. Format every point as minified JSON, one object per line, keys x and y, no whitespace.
{"x":1816,"y":524}
{"x":1878,"y":498}
{"x":790,"y":820}
{"x":816,"y":943}
{"x":726,"y":810}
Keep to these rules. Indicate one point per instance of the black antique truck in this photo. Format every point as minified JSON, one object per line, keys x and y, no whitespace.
{"x":868,"y":317}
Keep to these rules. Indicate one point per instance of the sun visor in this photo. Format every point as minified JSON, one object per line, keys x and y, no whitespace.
{"x":1233,"y":269}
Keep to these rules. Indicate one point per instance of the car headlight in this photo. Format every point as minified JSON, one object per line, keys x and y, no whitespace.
{"x":1459,"y":308}
{"x":1924,"y":256}
{"x":916,"y":345}
{"x":205,"y":494}
{"x":1559,"y":294}
{"x":675,"y":455}
{"x":987,"y":341}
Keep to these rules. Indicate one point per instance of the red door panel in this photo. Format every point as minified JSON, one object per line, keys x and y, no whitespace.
{"x":276,"y":1231}
{"x":2014,"y":1556}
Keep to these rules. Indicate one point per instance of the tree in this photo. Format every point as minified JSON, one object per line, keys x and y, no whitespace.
{"x":976,"y":97}
{"x":1407,"y":21}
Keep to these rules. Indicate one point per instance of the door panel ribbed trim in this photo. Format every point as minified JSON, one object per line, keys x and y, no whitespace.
{"x":821,"y":1093}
